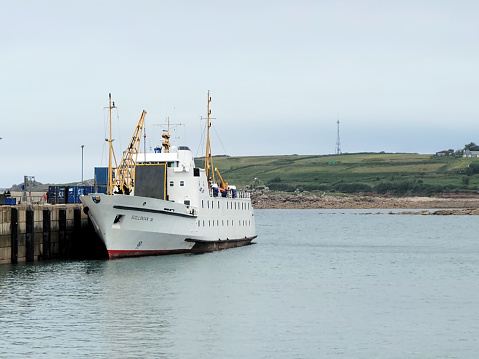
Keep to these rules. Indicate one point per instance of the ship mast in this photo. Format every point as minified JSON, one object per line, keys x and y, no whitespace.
{"x":110,"y":150}
{"x":210,"y":175}
{"x":166,"y":138}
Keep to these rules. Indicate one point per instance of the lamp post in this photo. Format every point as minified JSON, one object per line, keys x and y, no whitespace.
{"x":82,"y":163}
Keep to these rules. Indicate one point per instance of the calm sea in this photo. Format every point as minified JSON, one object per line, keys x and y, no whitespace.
{"x":318,"y":284}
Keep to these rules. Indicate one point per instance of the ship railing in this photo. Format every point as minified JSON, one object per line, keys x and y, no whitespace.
{"x":229,"y":194}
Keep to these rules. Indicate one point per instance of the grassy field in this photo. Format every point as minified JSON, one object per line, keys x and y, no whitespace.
{"x":371,"y":172}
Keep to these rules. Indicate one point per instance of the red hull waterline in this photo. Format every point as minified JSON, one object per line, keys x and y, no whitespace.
{"x":198,"y":248}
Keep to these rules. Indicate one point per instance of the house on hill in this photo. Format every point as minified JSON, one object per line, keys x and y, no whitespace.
{"x":445,"y":153}
{"x":469,"y":153}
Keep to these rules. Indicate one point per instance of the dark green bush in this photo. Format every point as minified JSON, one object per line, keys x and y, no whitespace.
{"x":281,"y":187}
{"x":352,"y":187}
{"x":275,"y":180}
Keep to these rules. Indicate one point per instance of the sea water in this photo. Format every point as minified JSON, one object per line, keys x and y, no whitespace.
{"x":318,"y":284}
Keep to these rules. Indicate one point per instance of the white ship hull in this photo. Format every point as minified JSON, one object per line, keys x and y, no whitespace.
{"x":140,"y":226}
{"x":166,"y":204}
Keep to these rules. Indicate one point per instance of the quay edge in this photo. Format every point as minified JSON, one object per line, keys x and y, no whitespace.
{"x":29,"y":233}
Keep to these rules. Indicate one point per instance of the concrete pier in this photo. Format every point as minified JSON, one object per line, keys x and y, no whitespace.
{"x":29,"y":233}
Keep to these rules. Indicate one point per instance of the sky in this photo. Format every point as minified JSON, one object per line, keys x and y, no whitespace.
{"x":401,"y":76}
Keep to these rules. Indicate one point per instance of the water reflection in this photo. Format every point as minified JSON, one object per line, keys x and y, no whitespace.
{"x":317,"y":284}
{"x":84,"y":307}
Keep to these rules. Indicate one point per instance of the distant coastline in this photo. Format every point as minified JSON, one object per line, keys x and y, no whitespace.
{"x":270,"y":200}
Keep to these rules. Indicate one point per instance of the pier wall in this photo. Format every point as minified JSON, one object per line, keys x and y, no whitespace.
{"x":29,"y":233}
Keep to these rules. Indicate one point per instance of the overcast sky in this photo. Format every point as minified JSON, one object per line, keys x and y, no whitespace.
{"x":402,"y":76}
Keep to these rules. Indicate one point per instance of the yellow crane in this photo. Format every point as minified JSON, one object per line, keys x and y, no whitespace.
{"x":224,"y":185}
{"x":125,"y":172}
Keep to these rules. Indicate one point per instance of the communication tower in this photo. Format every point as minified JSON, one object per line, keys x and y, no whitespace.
{"x":338,"y":142}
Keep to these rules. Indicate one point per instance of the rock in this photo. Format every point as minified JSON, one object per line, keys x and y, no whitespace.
{"x":445,"y":206}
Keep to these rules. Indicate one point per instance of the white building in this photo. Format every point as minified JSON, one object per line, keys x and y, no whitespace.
{"x":468,"y":153}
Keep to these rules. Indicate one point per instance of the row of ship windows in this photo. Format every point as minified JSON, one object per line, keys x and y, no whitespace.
{"x":172,"y":183}
{"x":229,"y":205}
{"x":211,"y":223}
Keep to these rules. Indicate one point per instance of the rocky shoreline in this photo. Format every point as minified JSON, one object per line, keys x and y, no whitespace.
{"x":455,"y":204}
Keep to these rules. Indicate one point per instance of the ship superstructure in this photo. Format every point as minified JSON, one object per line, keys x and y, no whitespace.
{"x":172,"y":206}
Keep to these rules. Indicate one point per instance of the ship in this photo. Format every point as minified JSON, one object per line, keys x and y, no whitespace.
{"x":160,"y":202}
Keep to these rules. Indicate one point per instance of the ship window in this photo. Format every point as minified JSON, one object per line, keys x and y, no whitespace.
{"x":226,"y":204}
{"x":209,"y":223}
{"x":235,"y":205}
{"x":213,"y":222}
{"x":203,"y":223}
{"x":187,"y":202}
{"x":202,"y":204}
{"x":223,"y":222}
{"x":196,"y":172}
{"x":217,"y":222}
{"x":182,"y":183}
{"x":198,"y":223}
{"x":218,"y":204}
{"x":208,"y":203}
{"x":172,"y":183}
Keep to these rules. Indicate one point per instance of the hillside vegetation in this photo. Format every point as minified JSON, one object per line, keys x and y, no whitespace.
{"x":397,"y":174}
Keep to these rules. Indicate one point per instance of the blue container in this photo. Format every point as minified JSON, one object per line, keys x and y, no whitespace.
{"x":60,"y":195}
{"x":101,"y":189}
{"x":101,"y":176}
{"x":74,"y":193}
{"x":10,"y":201}
{"x":89,"y":189}
{"x":80,"y":191}
{"x":52,"y":194}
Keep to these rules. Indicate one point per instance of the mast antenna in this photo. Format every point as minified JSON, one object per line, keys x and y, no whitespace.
{"x":210,"y":175}
{"x":110,"y":150}
{"x":338,"y":141}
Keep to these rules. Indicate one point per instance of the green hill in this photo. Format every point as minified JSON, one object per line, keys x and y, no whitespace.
{"x":382,"y":173}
